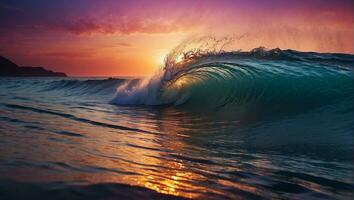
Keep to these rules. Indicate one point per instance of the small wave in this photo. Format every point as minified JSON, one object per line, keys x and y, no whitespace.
{"x":72,"y":117}
{"x":80,"y":87}
{"x":62,"y":191}
{"x":68,"y":133}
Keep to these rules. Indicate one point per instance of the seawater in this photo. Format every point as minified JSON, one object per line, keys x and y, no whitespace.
{"x":249,"y":125}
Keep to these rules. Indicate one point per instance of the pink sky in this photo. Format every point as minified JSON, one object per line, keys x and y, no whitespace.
{"x":129,"y":38}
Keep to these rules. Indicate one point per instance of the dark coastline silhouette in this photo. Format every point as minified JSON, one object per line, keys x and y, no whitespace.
{"x":8,"y":68}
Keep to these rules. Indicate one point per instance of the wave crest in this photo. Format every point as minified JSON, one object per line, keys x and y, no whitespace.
{"x":259,"y":78}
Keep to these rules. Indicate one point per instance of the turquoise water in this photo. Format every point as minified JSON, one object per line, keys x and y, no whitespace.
{"x":249,"y":125}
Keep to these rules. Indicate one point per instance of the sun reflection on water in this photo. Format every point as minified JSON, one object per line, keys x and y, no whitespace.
{"x":173,"y":175}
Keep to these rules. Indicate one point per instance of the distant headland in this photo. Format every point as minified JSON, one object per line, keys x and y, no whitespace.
{"x":8,"y":68}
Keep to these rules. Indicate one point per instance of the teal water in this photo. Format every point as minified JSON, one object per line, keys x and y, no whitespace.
{"x":249,"y":125}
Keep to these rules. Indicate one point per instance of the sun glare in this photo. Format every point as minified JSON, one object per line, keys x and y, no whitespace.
{"x":179,"y":58}
{"x":160,"y":57}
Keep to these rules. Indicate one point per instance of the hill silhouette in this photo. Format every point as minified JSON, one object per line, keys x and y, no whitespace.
{"x":9,"y":68}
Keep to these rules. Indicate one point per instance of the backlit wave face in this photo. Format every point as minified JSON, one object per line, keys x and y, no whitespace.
{"x":199,"y":74}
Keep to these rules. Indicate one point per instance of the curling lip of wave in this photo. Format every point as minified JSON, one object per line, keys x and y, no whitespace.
{"x":259,"y":78}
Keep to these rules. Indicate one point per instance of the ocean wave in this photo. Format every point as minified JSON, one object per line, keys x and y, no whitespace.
{"x":95,"y":87}
{"x":78,"y":119}
{"x":77,"y":87}
{"x":260,"y":79}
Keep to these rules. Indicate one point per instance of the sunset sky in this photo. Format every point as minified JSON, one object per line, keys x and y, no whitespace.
{"x":130,"y":38}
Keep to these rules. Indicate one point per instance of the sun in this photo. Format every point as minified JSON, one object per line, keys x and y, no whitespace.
{"x":160,"y":57}
{"x":179,"y":58}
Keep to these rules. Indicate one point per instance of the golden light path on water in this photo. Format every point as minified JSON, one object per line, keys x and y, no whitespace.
{"x":152,"y":160}
{"x":155,"y":160}
{"x":173,"y":175}
{"x":148,"y":155}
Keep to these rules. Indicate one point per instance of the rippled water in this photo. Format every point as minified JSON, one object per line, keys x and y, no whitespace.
{"x":70,"y":139}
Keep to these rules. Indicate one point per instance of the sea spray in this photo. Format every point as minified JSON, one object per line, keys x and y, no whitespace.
{"x":202,"y":73}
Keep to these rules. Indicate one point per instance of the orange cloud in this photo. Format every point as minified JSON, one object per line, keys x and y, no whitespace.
{"x":133,"y":26}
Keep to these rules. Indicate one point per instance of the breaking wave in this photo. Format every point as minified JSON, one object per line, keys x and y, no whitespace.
{"x":258,"y":79}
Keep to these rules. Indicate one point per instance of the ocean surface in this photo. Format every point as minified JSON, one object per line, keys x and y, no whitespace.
{"x":264,"y":124}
